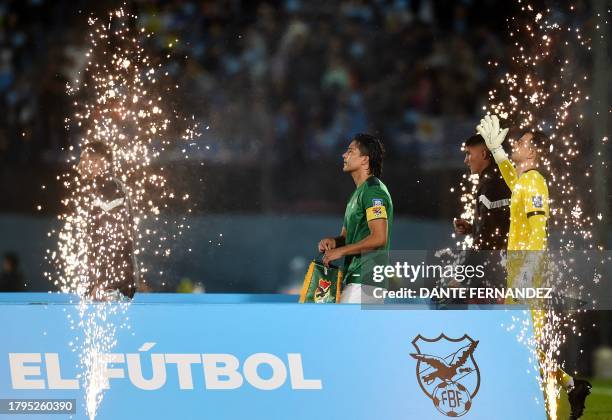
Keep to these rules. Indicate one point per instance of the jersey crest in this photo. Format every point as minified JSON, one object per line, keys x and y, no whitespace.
{"x":538,"y":201}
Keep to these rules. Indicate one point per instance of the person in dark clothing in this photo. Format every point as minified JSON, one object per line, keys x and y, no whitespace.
{"x":492,"y":210}
{"x":491,"y":223}
{"x":11,"y":279}
{"x":112,"y":266}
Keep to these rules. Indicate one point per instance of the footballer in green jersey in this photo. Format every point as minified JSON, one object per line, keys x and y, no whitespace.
{"x":366,"y":232}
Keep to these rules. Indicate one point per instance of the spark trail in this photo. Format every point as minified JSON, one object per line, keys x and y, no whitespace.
{"x":122,"y":100}
{"x":544,"y":88}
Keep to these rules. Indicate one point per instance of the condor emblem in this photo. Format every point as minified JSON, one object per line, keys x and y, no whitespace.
{"x":322,"y":292}
{"x":447,"y":372}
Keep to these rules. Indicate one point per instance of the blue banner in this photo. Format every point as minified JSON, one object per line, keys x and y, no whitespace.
{"x":196,"y":357}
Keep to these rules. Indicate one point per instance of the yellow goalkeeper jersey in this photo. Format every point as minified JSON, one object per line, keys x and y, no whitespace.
{"x":529,"y":209}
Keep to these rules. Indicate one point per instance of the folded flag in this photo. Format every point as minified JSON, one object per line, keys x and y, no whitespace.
{"x":321,"y":284}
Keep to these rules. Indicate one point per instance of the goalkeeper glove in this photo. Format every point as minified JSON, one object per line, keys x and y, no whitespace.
{"x":493,"y":136}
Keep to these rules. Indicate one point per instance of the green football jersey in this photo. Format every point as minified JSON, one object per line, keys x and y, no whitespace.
{"x":370,"y":201}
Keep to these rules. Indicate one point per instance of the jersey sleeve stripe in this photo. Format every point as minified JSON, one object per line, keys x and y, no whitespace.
{"x":493,"y":204}
{"x":536,"y":213}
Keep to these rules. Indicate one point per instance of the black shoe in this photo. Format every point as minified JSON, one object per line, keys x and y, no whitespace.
{"x":576,"y":395}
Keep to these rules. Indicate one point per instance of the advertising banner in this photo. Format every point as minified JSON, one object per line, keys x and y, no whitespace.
{"x":191,"y":359}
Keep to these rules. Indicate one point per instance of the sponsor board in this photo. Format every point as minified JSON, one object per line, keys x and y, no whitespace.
{"x":276,"y":361}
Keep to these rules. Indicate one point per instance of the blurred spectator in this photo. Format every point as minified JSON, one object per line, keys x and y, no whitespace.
{"x":11,"y":279}
{"x":298,"y":77}
{"x":186,"y":285}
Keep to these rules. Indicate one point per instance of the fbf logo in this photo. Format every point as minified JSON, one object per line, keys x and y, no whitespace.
{"x":322,"y":294}
{"x":447,"y":372}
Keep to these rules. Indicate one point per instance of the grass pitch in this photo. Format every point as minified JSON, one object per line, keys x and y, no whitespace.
{"x":598,"y":404}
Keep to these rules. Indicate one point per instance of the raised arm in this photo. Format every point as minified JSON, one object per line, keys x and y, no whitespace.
{"x":494,"y":137}
{"x":508,"y":172}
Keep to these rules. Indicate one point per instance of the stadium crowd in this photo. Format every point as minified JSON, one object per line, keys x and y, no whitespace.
{"x":293,"y":77}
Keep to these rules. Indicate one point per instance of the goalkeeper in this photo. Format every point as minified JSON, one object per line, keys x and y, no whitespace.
{"x":527,"y":237}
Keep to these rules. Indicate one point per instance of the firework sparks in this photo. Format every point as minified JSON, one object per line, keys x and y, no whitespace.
{"x":543,"y":89}
{"x":119,"y":103}
{"x":539,"y":95}
{"x":468,"y":188}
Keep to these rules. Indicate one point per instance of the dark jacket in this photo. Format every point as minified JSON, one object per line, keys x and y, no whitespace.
{"x":110,"y":230}
{"x":490,"y":229}
{"x":492,"y":213}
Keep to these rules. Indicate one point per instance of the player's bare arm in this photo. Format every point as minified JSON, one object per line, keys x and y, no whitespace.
{"x":326,"y":244}
{"x":375,"y":240}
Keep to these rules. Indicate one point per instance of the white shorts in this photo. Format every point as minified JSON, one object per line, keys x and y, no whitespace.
{"x":359,"y":293}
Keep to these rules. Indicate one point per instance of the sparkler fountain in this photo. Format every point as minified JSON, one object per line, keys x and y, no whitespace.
{"x":544,"y":89}
{"x":120,"y":102}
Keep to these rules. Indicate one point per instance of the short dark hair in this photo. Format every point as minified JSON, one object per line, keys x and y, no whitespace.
{"x":373,"y":148}
{"x":99,"y":148}
{"x":478,"y":140}
{"x":475,"y":140}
